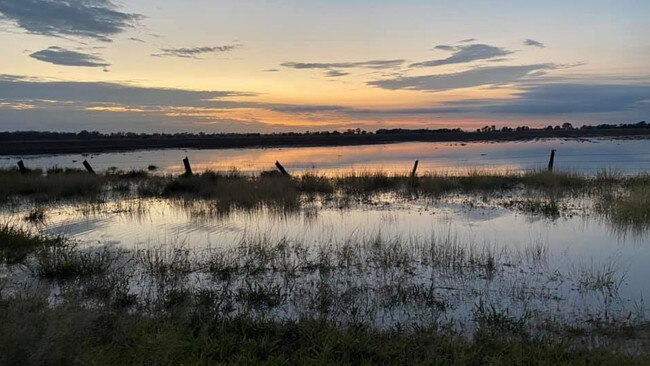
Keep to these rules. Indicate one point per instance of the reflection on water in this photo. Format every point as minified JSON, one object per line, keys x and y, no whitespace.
{"x":588,"y":156}
{"x":576,"y":243}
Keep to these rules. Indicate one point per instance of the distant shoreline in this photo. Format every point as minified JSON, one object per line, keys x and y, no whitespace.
{"x":99,"y":145}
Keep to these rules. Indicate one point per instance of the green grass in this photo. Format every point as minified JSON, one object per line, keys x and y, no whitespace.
{"x":629,"y":207}
{"x":34,"y":333}
{"x":16,"y":244}
{"x":66,"y":262}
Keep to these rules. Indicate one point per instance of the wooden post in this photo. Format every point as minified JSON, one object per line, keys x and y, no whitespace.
{"x":281,"y":169}
{"x":551,"y":161}
{"x":188,"y":167}
{"x":415,"y":169}
{"x":88,"y":167}
{"x":21,"y":167}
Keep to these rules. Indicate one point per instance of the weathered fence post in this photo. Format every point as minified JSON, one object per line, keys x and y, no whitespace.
{"x":281,"y":168}
{"x":415,"y":169}
{"x":21,"y":167}
{"x":88,"y":167}
{"x":551,"y":161}
{"x":188,"y":167}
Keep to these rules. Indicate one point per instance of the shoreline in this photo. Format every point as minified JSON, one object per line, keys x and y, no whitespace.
{"x":101,"y":145}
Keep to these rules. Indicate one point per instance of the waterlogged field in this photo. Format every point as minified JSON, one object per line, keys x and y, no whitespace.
{"x":587,"y":156}
{"x":529,"y":265}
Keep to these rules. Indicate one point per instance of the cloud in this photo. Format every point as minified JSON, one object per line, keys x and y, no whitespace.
{"x":467,"y":40}
{"x":533,"y":43}
{"x":445,"y":47}
{"x":336,"y":73}
{"x":22,"y":89}
{"x":30,"y":103}
{"x":373,"y":64}
{"x":98,"y":19}
{"x":468,"y":53}
{"x":472,"y":78}
{"x":572,"y":98}
{"x":546,"y":100}
{"x":194,"y":52}
{"x":64,"y":57}
{"x":332,"y":69}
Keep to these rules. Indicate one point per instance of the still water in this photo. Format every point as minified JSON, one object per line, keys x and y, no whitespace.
{"x":576,"y":245}
{"x":589,"y":156}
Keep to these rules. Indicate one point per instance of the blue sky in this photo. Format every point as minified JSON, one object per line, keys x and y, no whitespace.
{"x":265,"y":66}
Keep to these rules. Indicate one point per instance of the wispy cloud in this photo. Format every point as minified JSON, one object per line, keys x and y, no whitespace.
{"x":194,"y":52}
{"x":471,"y":78}
{"x":464,"y":54}
{"x":336,"y":73}
{"x":98,"y":19}
{"x":335,"y":69}
{"x":64,"y":57}
{"x":372,"y":64}
{"x":533,"y":43}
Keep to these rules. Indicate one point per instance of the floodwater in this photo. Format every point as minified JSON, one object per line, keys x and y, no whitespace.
{"x":627,"y":156}
{"x":575,"y":244}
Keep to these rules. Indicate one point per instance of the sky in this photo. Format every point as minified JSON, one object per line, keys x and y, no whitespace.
{"x":274,"y":66}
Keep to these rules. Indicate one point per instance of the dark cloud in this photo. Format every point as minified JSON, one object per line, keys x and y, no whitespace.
{"x":469,"y":53}
{"x":336,"y":73}
{"x":570,"y":98}
{"x":29,"y":103}
{"x":15,"y":89}
{"x":466,"y":79}
{"x":373,"y":64}
{"x":445,"y":47}
{"x":533,"y":43}
{"x":467,"y":40}
{"x":98,"y":19}
{"x":552,"y":99}
{"x":194,"y":52}
{"x":63,"y":57}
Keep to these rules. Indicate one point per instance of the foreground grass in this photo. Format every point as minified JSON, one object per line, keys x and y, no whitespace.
{"x":16,"y":243}
{"x":103,"y":314}
{"x":33,"y":333}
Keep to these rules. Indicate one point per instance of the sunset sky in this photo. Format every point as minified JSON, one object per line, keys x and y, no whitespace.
{"x":268,"y":66}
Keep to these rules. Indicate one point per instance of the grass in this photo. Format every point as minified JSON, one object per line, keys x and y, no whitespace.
{"x":233,"y":187}
{"x":16,"y":244}
{"x":34,"y":333}
{"x":66,"y":262}
{"x":628,"y":207}
{"x":265,"y":301}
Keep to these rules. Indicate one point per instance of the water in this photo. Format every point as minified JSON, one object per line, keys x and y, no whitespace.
{"x":577,"y":243}
{"x":627,"y":156}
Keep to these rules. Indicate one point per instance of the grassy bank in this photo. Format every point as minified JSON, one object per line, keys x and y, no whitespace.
{"x":33,"y":333}
{"x":233,"y":185}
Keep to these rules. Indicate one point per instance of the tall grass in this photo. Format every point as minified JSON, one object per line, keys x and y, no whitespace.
{"x":16,"y":243}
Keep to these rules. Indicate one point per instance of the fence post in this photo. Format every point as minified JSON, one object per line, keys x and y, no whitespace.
{"x":21,"y":167}
{"x":551,"y":161}
{"x":415,"y":169}
{"x":281,"y":168}
{"x":188,"y":167}
{"x":88,"y":167}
